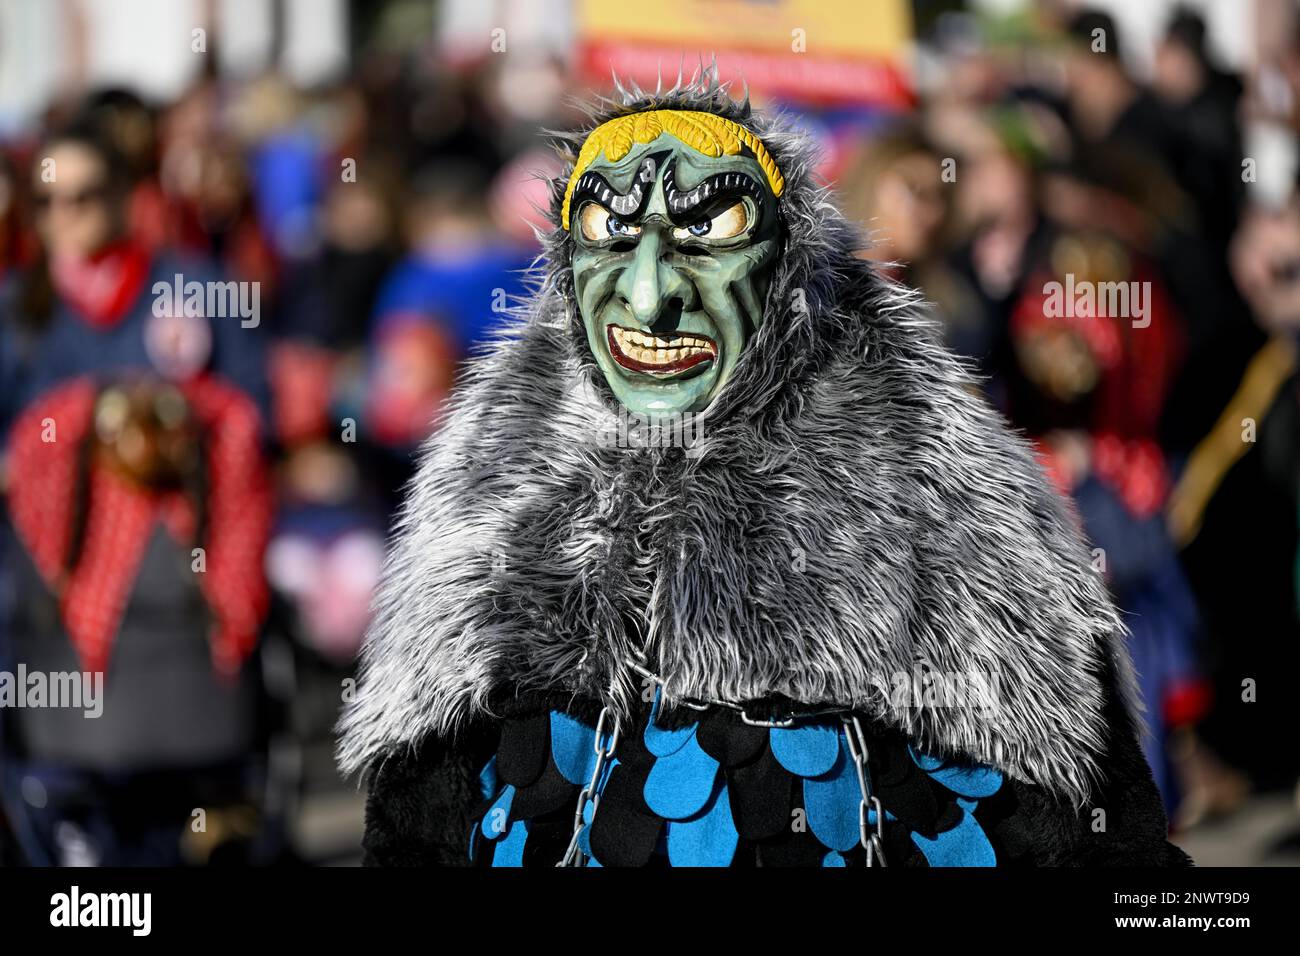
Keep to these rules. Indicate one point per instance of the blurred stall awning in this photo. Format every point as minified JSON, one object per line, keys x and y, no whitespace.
{"x":814,"y":51}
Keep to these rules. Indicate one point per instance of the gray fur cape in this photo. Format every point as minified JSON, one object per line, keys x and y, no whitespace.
{"x":852,"y":511}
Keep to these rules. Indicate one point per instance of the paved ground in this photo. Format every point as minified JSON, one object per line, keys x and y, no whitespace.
{"x":1266,"y":832}
{"x":327,"y":828}
{"x":328,"y":831}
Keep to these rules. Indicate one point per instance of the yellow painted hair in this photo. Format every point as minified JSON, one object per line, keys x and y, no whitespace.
{"x":706,"y":133}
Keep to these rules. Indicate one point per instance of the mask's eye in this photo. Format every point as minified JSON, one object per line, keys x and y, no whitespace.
{"x":598,"y":224}
{"x":731,"y":222}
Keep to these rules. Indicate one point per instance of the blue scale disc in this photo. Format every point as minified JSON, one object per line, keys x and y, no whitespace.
{"x":664,"y":743}
{"x":707,"y":839}
{"x":831,"y":802}
{"x":495,"y":821}
{"x":976,"y":782}
{"x":806,"y":751}
{"x":679,"y":785}
{"x":487,"y":779}
{"x":573,"y":748}
{"x":924,"y":761}
{"x":964,"y":845}
{"x":510,"y":851}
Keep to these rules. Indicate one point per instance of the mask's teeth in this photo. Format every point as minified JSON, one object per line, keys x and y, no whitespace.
{"x":653,"y":350}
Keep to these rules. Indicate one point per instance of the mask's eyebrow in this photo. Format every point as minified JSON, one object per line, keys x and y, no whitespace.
{"x":720,"y":185}
{"x":627,"y":205}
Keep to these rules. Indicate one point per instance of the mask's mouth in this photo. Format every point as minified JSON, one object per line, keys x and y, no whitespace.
{"x":660,"y":355}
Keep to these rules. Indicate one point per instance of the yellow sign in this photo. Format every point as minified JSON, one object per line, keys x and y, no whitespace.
{"x":829,"y":27}
{"x":852,"y":50}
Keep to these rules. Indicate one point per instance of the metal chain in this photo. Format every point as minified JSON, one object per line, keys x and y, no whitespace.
{"x":590,"y":794}
{"x":704,"y":703}
{"x":872,"y":842}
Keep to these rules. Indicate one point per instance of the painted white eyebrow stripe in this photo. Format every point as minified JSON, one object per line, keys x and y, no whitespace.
{"x":621,"y":204}
{"x":681,"y":202}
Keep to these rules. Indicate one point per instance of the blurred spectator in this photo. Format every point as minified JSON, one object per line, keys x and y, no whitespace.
{"x":211,"y":208}
{"x":895,"y":186}
{"x":1201,"y":104}
{"x":1003,"y":228}
{"x":1234,"y":511}
{"x":1118,"y":478}
{"x":1106,"y":105}
{"x":17,"y":245}
{"x":442,"y":299}
{"x":138,"y":508}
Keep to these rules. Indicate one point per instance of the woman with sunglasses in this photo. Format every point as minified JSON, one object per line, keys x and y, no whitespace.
{"x":137,"y":511}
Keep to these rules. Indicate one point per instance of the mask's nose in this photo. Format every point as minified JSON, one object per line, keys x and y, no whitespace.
{"x":651,"y":289}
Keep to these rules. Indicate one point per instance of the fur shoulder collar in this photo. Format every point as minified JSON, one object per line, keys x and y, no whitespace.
{"x":850,"y":519}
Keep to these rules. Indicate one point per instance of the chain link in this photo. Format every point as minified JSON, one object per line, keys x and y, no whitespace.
{"x":704,"y":703}
{"x":872,"y":841}
{"x":590,"y":794}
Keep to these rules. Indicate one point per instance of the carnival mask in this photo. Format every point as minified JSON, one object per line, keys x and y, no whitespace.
{"x":674,"y":220}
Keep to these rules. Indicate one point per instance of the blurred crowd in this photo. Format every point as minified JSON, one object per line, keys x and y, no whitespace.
{"x":376,"y":231}
{"x":1039,"y":175}
{"x":361,"y":239}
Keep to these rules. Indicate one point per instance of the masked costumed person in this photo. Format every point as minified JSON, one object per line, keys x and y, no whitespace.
{"x":717,"y":560}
